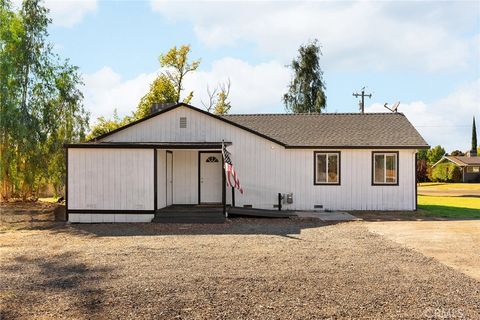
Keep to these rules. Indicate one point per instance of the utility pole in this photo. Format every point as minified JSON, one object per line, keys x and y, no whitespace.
{"x":363,"y":95}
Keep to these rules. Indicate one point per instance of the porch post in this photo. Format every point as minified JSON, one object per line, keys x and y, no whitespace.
{"x":224,"y":192}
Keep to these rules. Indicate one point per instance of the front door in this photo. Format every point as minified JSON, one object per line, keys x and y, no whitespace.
{"x":169,"y":179}
{"x":210,"y":177}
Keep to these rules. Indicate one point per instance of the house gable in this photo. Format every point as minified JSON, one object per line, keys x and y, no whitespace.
{"x":177,"y":114}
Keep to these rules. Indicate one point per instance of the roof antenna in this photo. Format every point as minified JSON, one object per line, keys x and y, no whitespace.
{"x":361,"y":104}
{"x":394,"y":108}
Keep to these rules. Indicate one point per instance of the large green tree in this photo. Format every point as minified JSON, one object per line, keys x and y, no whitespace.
{"x":434,"y":154}
{"x":166,"y":88}
{"x":177,"y":65}
{"x":162,"y":90}
{"x":306,"y":91}
{"x":40,"y":103}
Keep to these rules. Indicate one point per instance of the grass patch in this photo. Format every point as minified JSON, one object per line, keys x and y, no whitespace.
{"x":49,"y":200}
{"x":448,"y":186}
{"x":450,"y":207}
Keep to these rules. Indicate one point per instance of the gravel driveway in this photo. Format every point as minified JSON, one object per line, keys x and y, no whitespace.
{"x":247,"y":268}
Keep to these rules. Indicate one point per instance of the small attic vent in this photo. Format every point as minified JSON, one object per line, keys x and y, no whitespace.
{"x":183,"y":122}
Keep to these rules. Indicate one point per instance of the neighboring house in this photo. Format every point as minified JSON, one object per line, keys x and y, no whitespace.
{"x":340,"y":161}
{"x":469,"y":165}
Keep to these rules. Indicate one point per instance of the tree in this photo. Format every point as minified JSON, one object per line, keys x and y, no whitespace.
{"x":422,"y":170}
{"x":218,"y":102}
{"x":306,"y":91}
{"x":104,"y":125}
{"x":178,"y":66}
{"x":474,"y":136}
{"x":422,"y":154}
{"x":166,"y":88}
{"x":435,"y":154}
{"x":162,"y":90}
{"x":40,"y":103}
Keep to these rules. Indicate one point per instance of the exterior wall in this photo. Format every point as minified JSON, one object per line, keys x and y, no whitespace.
{"x":470,"y":176}
{"x":266,"y":168}
{"x":110,"y":179}
{"x":109,"y":218}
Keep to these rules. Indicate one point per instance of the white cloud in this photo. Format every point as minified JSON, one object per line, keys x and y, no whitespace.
{"x":67,"y":13}
{"x":105,"y":90}
{"x":254,"y":88}
{"x":428,"y":36}
{"x":445,"y":122}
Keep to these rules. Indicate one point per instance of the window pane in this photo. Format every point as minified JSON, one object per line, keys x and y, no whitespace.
{"x":476,"y":169}
{"x":321,"y":168}
{"x":391,"y":172}
{"x":332,"y":168}
{"x":379,"y":172}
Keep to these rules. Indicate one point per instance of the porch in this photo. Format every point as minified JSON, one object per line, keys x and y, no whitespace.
{"x":212,"y":214}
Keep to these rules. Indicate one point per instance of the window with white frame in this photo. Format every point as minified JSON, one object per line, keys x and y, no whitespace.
{"x":385,"y":168}
{"x":327,"y":168}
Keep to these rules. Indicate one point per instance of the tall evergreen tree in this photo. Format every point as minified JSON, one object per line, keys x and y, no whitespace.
{"x":474,"y":136}
{"x":306,"y":91}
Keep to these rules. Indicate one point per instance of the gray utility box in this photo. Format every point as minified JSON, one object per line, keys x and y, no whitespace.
{"x":288,"y":198}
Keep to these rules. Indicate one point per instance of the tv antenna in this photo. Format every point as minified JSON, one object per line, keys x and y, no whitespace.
{"x":362,"y":102}
{"x":394,"y":108}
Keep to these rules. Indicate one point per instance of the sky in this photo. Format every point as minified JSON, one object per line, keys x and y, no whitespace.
{"x":424,"y":54}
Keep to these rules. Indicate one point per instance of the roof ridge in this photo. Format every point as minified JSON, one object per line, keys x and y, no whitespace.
{"x":310,"y":114}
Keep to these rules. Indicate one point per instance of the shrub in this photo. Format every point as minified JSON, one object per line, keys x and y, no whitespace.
{"x":446,"y":172}
{"x":422,"y":171}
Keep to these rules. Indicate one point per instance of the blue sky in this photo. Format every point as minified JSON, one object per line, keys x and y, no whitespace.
{"x":424,"y":54}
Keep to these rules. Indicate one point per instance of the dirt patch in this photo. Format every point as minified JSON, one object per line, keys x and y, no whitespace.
{"x":246,"y":268}
{"x":455,"y":243}
{"x":26,"y":215}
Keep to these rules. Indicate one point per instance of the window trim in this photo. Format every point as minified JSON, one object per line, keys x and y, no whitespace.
{"x":327,"y":152}
{"x":373,"y":168}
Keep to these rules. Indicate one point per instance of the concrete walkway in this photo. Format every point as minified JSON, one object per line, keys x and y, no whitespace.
{"x":327,"y":216}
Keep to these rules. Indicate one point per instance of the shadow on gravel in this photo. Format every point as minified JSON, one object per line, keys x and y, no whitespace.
{"x":52,"y":276}
{"x":235,"y":226}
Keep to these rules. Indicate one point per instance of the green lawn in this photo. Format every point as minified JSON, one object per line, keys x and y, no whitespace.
{"x":440,"y":186}
{"x":450,"y":207}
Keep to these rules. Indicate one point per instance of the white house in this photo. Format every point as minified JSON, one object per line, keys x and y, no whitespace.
{"x":340,"y":161}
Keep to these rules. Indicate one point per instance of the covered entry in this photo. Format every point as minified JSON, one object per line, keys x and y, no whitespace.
{"x":129,"y":182}
{"x":190,"y":174}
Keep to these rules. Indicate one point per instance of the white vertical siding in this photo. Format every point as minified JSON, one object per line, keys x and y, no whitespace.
{"x":185,"y":176}
{"x":110,"y":179}
{"x":266,"y":168}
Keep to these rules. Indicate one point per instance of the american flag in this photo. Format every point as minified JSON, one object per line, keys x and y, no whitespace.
{"x":232,"y":178}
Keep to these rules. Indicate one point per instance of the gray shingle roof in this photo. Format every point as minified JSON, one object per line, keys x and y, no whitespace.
{"x":464,"y":160}
{"x":334,"y":129}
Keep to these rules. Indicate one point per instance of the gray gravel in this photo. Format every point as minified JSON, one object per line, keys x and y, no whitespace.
{"x":245,"y":269}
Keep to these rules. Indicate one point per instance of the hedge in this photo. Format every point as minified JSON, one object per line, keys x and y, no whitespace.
{"x":446,"y":172}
